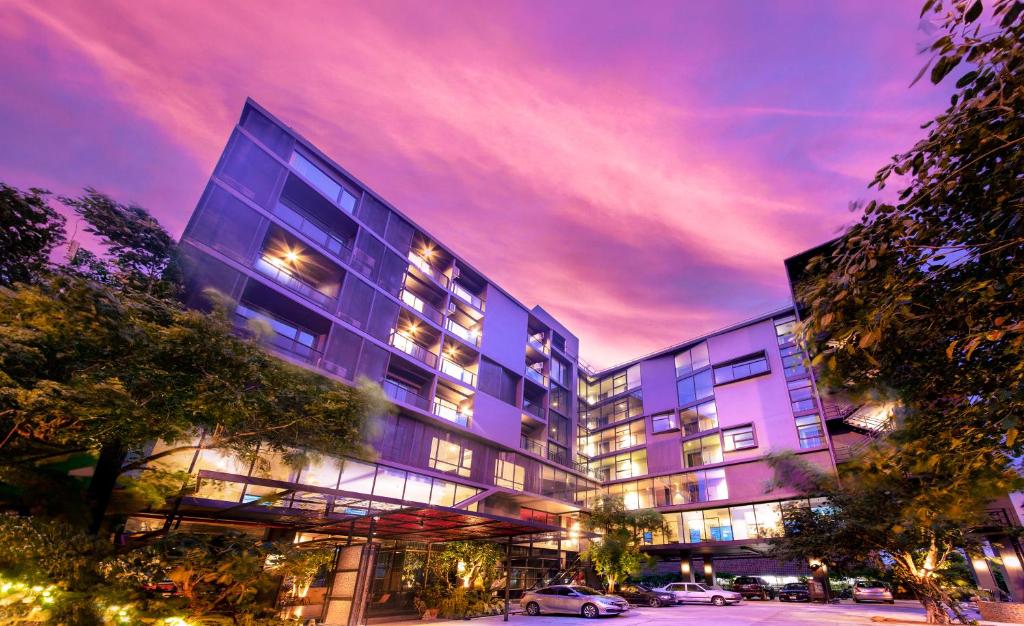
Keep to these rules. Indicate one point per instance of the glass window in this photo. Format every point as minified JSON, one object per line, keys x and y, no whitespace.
{"x":272,"y":135}
{"x":702,"y":451}
{"x":801,"y":395}
{"x":664,"y":422}
{"x":357,"y":477}
{"x":442,"y":493}
{"x":745,"y":368}
{"x":322,"y":472}
{"x":390,"y":483}
{"x":793,"y":365}
{"x":808,"y":428}
{"x":508,"y":474}
{"x":785,"y":327}
{"x":417,"y":488}
{"x":225,"y":223}
{"x":250,"y":170}
{"x":699,"y":418}
{"x":711,"y":485}
{"x":738,"y":438}
{"x":319,"y":179}
{"x":449,"y":456}
{"x":693,"y":527}
{"x":633,"y":377}
{"x":717,"y":525}
{"x":692,"y":360}
{"x":744,"y":524}
{"x":769,"y":519}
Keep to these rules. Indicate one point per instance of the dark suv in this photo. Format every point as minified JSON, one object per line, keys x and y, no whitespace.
{"x":753,"y":587}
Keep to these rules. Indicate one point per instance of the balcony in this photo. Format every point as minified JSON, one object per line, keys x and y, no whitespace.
{"x":537,"y":377}
{"x":403,"y":393}
{"x":315,"y":231}
{"x":413,"y":349}
{"x":467,"y":297}
{"x":470,"y":336}
{"x":458,"y":372}
{"x":285,"y":338}
{"x":531,"y":445}
{"x":538,"y":344}
{"x":533,"y":408}
{"x":284,"y":277}
{"x":450,"y":411}
{"x":421,"y":307}
{"x":424,"y":266}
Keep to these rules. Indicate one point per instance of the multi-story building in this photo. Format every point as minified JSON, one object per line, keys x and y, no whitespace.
{"x":494,"y":415}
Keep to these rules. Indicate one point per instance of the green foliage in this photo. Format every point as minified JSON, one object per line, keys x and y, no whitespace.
{"x":616,"y":554}
{"x":29,"y":230}
{"x":469,"y":564}
{"x":82,"y":365}
{"x":144,"y":254}
{"x":921,"y":303}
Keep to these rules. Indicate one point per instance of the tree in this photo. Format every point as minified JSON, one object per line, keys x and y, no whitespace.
{"x":476,"y":564}
{"x":29,"y":231}
{"x":145,"y":255}
{"x":887,"y":514}
{"x":616,"y":554}
{"x":921,"y":303}
{"x":84,"y":366}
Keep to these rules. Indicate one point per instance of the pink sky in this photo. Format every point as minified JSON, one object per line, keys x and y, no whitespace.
{"x":638,"y":169}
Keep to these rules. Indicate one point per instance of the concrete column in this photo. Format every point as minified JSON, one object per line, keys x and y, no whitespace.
{"x":1008,"y":552}
{"x":709,"y":570}
{"x":686,"y":568}
{"x":983,"y":572}
{"x":347,"y":596}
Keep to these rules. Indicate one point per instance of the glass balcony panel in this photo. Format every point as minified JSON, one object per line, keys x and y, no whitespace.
{"x":424,"y":266}
{"x":286,"y":338}
{"x":450,"y":411}
{"x":315,"y":231}
{"x":416,"y":303}
{"x":537,"y":377}
{"x":403,"y":393}
{"x":284,"y":277}
{"x":467,"y":297}
{"x":457,"y":371}
{"x":460,"y":331}
{"x":413,"y":349}
{"x":538,"y":343}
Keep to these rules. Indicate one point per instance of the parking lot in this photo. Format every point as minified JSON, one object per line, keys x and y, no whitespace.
{"x":744,"y":614}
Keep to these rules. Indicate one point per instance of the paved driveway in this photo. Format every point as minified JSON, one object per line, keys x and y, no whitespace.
{"x":749,"y":613}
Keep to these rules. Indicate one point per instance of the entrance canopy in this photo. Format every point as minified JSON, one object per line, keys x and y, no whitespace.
{"x":313,"y":509}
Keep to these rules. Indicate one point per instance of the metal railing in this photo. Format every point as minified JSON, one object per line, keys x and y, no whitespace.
{"x":455,"y":370}
{"x":303,"y":350}
{"x":533,"y":408}
{"x":424,"y":266}
{"x":413,"y":349}
{"x":285,"y":278}
{"x":539,"y":345}
{"x":315,"y":230}
{"x":401,"y":393}
{"x":531,"y":445}
{"x":467,"y":297}
{"x":460,"y":331}
{"x":420,"y":306}
{"x":537,"y":377}
{"x":450,"y":411}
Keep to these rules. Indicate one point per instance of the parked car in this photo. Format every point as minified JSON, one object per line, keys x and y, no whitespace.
{"x":701,"y":593}
{"x":795,"y":592}
{"x":639,"y":594}
{"x":872,"y":591}
{"x":753,"y":587}
{"x":572,"y":599}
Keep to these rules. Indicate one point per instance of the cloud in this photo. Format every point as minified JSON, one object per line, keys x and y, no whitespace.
{"x":640,"y":176}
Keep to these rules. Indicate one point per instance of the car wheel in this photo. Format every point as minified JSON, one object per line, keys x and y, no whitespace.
{"x":532,"y":608}
{"x":589,"y":611}
{"x":654,"y":603}
{"x":718,"y":601}
{"x":890,"y":602}
{"x":856,"y":600}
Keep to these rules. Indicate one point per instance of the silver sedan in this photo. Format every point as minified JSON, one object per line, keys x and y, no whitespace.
{"x":572,"y":599}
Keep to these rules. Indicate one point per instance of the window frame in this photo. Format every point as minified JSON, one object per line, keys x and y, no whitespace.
{"x":741,"y":427}
{"x":747,"y":360}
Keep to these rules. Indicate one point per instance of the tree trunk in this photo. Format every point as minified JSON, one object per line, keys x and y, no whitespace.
{"x":934,"y":611}
{"x":101,"y":486}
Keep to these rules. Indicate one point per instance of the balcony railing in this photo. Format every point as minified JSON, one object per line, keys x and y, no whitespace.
{"x":285,"y":338}
{"x":424,"y":266}
{"x":460,"y":331}
{"x":284,"y":277}
{"x":450,"y":411}
{"x":413,"y":349}
{"x":533,"y":408}
{"x":537,"y":377}
{"x":467,"y":297}
{"x":455,"y":370}
{"x":531,"y":445}
{"x":417,"y":304}
{"x":401,"y":393}
{"x":316,"y":231}
{"x":539,"y":344}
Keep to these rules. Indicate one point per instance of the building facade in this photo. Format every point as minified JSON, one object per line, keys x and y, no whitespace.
{"x":494,"y":412}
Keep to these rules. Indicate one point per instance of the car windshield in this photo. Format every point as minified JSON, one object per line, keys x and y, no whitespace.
{"x":588,"y":591}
